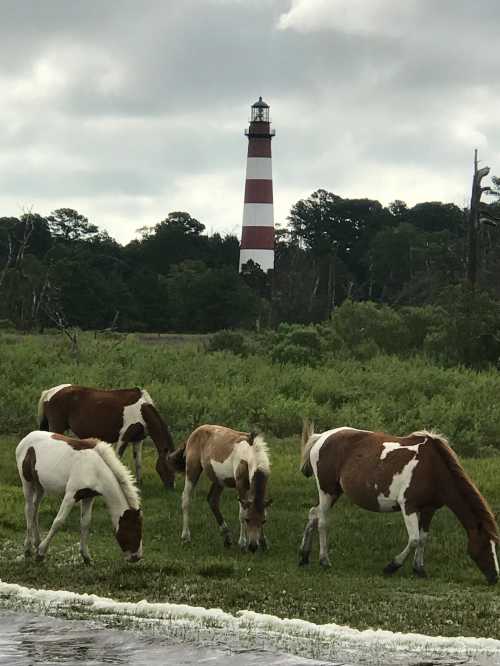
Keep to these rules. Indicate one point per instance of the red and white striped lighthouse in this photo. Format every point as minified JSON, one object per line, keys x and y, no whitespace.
{"x":257,"y":237}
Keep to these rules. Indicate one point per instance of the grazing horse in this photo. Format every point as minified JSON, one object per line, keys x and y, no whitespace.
{"x":119,"y":416}
{"x":80,"y":470}
{"x":229,"y":458}
{"x":416,"y":475}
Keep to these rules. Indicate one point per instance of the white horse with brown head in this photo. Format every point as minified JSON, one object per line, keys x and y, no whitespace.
{"x":230,"y":459}
{"x":80,"y":470}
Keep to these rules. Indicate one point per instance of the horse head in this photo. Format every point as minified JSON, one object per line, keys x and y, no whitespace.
{"x":165,"y":470}
{"x":129,"y":534}
{"x":255,"y":515}
{"x":482,"y":549}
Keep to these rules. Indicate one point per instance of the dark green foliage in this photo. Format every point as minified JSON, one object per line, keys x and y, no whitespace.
{"x":231,"y":341}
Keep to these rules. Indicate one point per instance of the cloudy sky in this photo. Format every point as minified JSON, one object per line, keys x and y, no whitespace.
{"x":127,"y":110}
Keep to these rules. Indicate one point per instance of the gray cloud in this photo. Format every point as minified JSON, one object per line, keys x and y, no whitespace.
{"x":128,"y":110}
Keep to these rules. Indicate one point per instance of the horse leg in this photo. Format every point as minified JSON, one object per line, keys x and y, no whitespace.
{"x":325,"y":502}
{"x":317,"y":519}
{"x":243,"y":540}
{"x":411,"y":524}
{"x":29,"y":515}
{"x":425,"y":519}
{"x":137,"y":449}
{"x":85,"y":518}
{"x":213,"y":499}
{"x":192,"y":477}
{"x":66,"y":505}
{"x":305,"y":546}
{"x":37,"y":499}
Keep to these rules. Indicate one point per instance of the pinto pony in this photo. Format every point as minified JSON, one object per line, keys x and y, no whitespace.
{"x":80,"y":470}
{"x":118,"y":416}
{"x":416,"y":475}
{"x":234,"y":459}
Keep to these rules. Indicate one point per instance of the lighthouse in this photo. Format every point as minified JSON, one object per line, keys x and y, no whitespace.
{"x":257,"y":236}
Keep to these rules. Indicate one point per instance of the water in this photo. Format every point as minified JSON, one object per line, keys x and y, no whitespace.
{"x":29,"y":640}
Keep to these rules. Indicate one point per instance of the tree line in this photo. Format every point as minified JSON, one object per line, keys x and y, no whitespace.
{"x":63,"y":270}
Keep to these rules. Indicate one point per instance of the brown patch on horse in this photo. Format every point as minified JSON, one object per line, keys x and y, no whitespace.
{"x":129,"y":532}
{"x":29,"y":462}
{"x":85,"y":493}
{"x":134,"y":433}
{"x":77,"y":444}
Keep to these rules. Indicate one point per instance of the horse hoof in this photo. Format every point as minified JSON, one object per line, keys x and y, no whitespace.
{"x":39,"y":557}
{"x":228,"y":542}
{"x":304,"y":560}
{"x":325,"y":562}
{"x":420,"y":572}
{"x":186,"y":538}
{"x":391,"y":568}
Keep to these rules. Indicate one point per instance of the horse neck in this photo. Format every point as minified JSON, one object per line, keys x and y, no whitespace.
{"x":458,"y":503}
{"x":115,"y":499}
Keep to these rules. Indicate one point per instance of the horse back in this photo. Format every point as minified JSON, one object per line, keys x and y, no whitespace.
{"x":90,"y":412}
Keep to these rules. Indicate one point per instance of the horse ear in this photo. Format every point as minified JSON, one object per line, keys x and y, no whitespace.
{"x":251,"y":437}
{"x":268,"y":502}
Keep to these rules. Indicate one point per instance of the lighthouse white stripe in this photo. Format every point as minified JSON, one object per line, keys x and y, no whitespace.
{"x":263,"y":257}
{"x":259,"y":167}
{"x":258,"y":215}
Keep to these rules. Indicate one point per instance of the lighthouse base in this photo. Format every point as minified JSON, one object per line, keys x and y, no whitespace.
{"x":265,"y":258}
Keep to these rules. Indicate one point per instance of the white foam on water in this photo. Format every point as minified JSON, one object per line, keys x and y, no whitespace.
{"x":248,"y":629}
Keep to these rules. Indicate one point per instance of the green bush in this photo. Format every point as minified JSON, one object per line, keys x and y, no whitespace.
{"x":231,"y":341}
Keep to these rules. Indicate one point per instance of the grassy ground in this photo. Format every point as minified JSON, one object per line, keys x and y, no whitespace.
{"x":453,"y":600}
{"x":190,"y":387}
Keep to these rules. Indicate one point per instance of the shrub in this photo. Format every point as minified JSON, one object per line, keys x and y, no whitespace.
{"x":231,"y":341}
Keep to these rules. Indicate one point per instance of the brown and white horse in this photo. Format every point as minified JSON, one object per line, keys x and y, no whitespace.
{"x":416,"y":475}
{"x":118,"y":416}
{"x":80,"y":470}
{"x":229,"y":458}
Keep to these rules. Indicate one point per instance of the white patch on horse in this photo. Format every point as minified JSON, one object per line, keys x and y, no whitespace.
{"x":132,"y":414}
{"x":223,"y":470}
{"x":393,"y":446}
{"x":50,"y":393}
{"x":399,"y":485}
{"x":316,"y":447}
{"x":495,"y":559}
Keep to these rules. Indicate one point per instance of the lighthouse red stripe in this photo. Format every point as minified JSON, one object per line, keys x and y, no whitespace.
{"x":257,"y":238}
{"x":259,"y":146}
{"x":259,"y":191}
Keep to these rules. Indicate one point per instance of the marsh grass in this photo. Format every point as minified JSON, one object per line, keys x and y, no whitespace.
{"x":192,"y":386}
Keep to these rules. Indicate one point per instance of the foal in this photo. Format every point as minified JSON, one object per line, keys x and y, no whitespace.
{"x":80,"y":470}
{"x":234,"y":459}
{"x":416,"y":475}
{"x":119,"y":416}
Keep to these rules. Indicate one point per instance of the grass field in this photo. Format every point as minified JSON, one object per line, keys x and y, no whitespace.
{"x":453,"y":600}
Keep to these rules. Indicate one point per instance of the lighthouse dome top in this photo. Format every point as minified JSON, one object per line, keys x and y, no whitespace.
{"x":260,"y":104}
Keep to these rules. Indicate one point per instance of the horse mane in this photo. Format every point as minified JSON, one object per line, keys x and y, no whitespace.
{"x":261,"y":453}
{"x":121,"y":473}
{"x":466,"y":487}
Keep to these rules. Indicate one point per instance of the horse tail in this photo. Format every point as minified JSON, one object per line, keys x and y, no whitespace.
{"x":43,"y":422}
{"x":123,"y":475}
{"x":306,"y":444}
{"x":465,"y":485}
